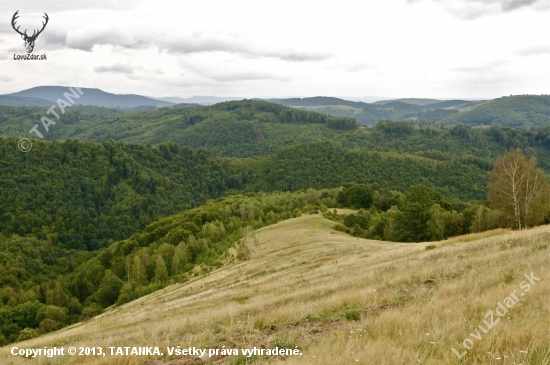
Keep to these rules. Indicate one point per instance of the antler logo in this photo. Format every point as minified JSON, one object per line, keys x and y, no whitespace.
{"x":29,"y":40}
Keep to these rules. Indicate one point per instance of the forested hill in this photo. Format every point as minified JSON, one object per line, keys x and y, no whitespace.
{"x":254,"y":128}
{"x":88,"y":96}
{"x":514,"y":111}
{"x":366,"y":113}
{"x":242,"y":128}
{"x":84,"y":195}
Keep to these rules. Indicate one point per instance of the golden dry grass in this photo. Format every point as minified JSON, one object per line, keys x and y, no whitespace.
{"x":341,"y":300}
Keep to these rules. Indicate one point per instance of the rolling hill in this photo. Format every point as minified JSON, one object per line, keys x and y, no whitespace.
{"x":202,"y":100}
{"x":525,"y":111}
{"x":365,"y":113}
{"x":414,"y":101}
{"x":453,"y":104}
{"x":92,"y":97}
{"x":338,"y":300}
{"x":256,"y":128}
{"x":9,"y":100}
{"x":125,"y":187}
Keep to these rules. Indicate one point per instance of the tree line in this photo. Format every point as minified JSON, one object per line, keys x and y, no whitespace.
{"x":518,"y":198}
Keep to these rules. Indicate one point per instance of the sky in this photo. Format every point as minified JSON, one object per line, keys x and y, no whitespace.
{"x":444,"y":49}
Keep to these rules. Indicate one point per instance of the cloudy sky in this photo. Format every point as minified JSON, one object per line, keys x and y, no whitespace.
{"x":251,"y":48}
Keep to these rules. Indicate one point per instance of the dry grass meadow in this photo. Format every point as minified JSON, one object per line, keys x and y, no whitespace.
{"x":341,"y":300}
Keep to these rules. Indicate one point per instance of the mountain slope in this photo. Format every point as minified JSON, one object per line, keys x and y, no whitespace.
{"x":255,"y":128}
{"x":338,"y":300}
{"x":414,"y":101}
{"x":8,"y":100}
{"x":95,"y":97}
{"x":514,"y":111}
{"x":203,"y":100}
{"x":453,"y":104}
{"x":366,"y":113}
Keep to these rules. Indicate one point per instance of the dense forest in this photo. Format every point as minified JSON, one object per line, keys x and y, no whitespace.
{"x":254,"y":128}
{"x":369,"y":114}
{"x":525,"y":111}
{"x":90,"y":194}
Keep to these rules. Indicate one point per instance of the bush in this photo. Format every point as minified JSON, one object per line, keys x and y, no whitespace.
{"x":49,"y":325}
{"x":26,"y":334}
{"x":340,"y":227}
{"x":92,"y":310}
{"x":52,"y":312}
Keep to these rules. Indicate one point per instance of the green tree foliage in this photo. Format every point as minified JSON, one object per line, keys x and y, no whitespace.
{"x":255,"y":128}
{"x":513,"y":111}
{"x":519,"y":190}
{"x":420,"y":214}
{"x":357,"y":196}
{"x":161,"y":273}
{"x":83,"y":195}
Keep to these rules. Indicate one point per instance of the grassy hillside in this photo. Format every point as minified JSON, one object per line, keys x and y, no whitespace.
{"x":340,"y":300}
{"x":515,"y":111}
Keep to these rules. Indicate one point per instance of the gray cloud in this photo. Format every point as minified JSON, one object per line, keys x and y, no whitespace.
{"x":242,"y":76}
{"x":473,"y":9}
{"x":295,"y":56}
{"x":534,"y":51}
{"x":516,"y":4}
{"x":4,"y":78}
{"x":357,"y":67}
{"x":83,"y":29}
{"x":201,"y":43}
{"x":218,"y":75}
{"x":85,"y":40}
{"x":116,"y":68}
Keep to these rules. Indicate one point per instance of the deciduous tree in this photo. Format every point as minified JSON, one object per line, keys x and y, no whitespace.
{"x":519,"y":190}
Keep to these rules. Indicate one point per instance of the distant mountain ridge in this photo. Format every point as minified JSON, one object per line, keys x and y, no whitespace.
{"x":202,"y":100}
{"x":366,"y":113}
{"x":414,"y":101}
{"x":8,"y":100}
{"x":89,"y":97}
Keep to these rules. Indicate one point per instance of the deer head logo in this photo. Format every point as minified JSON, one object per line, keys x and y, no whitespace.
{"x":29,"y":40}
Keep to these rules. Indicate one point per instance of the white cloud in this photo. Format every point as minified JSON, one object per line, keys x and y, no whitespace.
{"x":473,"y":9}
{"x":281,"y":47}
{"x":116,"y":68}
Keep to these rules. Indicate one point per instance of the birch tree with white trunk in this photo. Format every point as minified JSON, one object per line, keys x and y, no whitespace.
{"x":519,"y":190}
